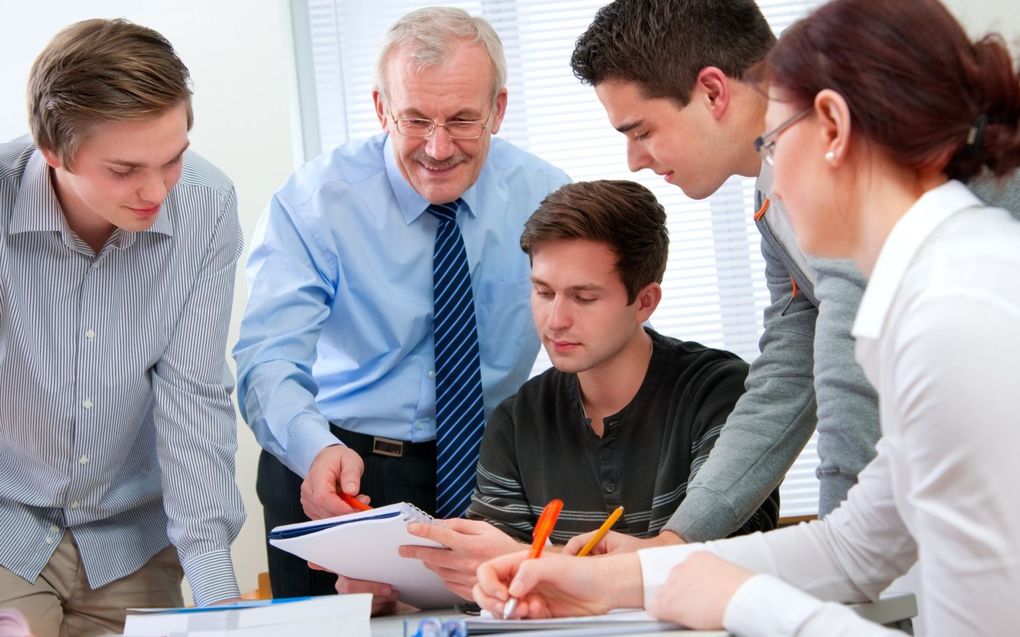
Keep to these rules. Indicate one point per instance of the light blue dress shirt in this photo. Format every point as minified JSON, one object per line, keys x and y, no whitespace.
{"x":115,"y":416}
{"x":338,"y":326}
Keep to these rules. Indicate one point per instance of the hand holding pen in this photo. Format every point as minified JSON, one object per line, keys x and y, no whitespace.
{"x":539,"y":537}
{"x":601,"y":532}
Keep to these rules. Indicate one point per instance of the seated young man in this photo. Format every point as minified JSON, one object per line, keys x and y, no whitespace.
{"x":625,"y":417}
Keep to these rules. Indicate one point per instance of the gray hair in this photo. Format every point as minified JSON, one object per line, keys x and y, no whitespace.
{"x":428,"y":34}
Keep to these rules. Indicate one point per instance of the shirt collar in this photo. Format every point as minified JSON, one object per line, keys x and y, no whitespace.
{"x":764,"y":181}
{"x":907,"y":238}
{"x":412,"y":204}
{"x":37,"y":209}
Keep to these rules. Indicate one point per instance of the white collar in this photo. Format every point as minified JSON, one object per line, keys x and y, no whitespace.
{"x":901,"y":246}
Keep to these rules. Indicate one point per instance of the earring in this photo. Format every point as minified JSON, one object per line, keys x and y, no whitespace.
{"x":830,"y":156}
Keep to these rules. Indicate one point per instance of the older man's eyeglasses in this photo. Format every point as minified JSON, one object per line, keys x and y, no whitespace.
{"x":766,"y":144}
{"x":456,"y":129}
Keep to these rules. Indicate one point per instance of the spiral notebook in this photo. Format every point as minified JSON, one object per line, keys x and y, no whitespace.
{"x":364,"y":545}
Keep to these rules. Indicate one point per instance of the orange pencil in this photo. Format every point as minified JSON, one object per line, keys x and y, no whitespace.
{"x":539,"y":537}
{"x":601,"y":533}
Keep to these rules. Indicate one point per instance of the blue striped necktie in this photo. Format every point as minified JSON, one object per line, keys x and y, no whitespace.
{"x":460,"y":410}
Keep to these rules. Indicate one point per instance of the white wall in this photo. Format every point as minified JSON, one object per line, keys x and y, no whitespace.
{"x":981,"y":16}
{"x":239,"y":55}
{"x":240,"y":58}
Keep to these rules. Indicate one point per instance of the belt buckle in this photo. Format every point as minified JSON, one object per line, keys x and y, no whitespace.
{"x":387,"y":447}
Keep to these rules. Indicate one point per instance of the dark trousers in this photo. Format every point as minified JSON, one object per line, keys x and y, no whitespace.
{"x":410,"y":478}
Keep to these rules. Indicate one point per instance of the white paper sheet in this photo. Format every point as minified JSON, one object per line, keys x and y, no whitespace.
{"x":364,"y":545}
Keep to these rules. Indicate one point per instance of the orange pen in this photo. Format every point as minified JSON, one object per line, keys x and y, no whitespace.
{"x":540,"y":536}
{"x":354,"y":502}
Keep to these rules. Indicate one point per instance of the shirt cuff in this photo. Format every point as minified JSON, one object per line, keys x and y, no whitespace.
{"x":307,"y":442}
{"x":656,"y":564}
{"x":211,"y":576}
{"x":765,"y":605}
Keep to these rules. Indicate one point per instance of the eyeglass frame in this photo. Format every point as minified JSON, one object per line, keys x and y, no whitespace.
{"x":484,"y":123}
{"x":765,"y":144}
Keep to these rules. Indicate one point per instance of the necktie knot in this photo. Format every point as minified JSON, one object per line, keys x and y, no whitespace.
{"x":444,"y":211}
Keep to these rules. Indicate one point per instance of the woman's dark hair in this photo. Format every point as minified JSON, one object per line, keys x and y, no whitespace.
{"x":913,"y":80}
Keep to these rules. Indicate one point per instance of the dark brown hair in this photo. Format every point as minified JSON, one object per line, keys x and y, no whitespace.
{"x":622,"y":214}
{"x":913,"y":80}
{"x":101,"y":70}
{"x":662,"y":45}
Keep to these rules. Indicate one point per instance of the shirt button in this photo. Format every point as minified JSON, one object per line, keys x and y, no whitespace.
{"x":431,"y":374}
{"x":95,"y":265}
{"x":87,"y":403}
{"x":75,"y":504}
{"x":83,"y":460}
{"x":54,"y":529}
{"x":49,"y":540}
{"x":610,"y":487}
{"x":89,"y":334}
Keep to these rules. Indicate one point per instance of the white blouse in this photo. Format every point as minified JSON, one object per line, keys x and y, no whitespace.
{"x":938,"y":335}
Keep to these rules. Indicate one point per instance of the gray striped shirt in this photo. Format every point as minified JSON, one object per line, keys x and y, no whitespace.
{"x":115,"y":415}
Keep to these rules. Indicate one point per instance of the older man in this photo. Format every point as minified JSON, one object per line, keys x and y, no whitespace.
{"x":389,"y":301}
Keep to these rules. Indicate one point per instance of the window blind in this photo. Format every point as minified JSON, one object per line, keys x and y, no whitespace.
{"x":714,"y":290}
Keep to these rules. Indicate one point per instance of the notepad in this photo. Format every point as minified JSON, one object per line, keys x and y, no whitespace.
{"x":321,"y":616}
{"x":620,"y":621}
{"x":363,"y":545}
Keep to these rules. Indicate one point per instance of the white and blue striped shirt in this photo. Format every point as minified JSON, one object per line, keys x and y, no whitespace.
{"x":115,"y":415}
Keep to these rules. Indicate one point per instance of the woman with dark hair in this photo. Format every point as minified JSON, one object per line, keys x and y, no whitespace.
{"x":878,"y":110}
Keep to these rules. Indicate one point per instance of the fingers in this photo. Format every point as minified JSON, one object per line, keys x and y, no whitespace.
{"x":319,"y":497}
{"x":493,"y":577}
{"x":440,"y":534}
{"x":575,"y":543}
{"x":351,"y":468}
{"x":346,"y":585}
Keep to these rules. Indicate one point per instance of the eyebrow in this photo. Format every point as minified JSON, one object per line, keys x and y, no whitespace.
{"x":587,"y":287}
{"x":134,"y":164}
{"x":629,"y":126}
{"x":466,"y":114}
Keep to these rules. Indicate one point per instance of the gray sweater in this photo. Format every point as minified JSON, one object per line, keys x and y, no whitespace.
{"x":806,"y":352}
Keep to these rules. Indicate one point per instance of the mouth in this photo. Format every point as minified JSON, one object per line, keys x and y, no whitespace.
{"x":668,"y":177}
{"x":144,"y":212}
{"x":561,"y":346}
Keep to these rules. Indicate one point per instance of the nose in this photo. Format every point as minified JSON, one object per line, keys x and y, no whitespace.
{"x":559,"y":315}
{"x":637,"y":157}
{"x":153,"y":190}
{"x":439,"y":145}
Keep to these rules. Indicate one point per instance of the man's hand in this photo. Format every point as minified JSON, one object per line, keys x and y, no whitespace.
{"x":335,"y":468}
{"x":620,"y":543}
{"x":467,"y":543}
{"x":556,"y":585}
{"x":698,"y":590}
{"x":384,"y":596}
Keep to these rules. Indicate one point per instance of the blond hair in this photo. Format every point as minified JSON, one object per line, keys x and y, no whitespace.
{"x":101,"y":70}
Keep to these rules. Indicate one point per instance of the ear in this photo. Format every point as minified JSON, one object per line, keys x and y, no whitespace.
{"x":500,"y":112}
{"x":51,"y":158}
{"x":712,"y":88}
{"x":647,"y":300}
{"x":833,"y":116}
{"x":380,"y":109}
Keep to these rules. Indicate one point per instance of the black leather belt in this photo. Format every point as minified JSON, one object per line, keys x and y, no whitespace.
{"x":365,"y":444}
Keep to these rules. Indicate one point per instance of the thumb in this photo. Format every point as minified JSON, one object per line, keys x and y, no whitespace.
{"x":351,"y":469}
{"x":575,"y":543}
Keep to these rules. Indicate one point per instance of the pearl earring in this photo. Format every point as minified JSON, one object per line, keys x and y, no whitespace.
{"x":830,"y":156}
